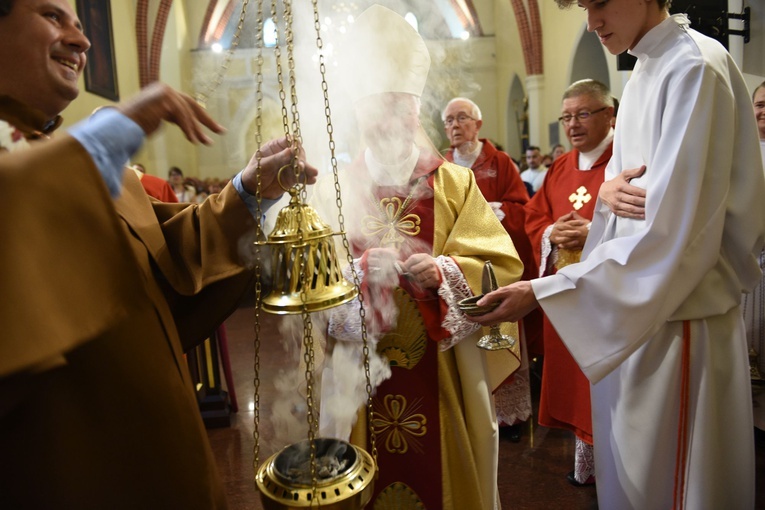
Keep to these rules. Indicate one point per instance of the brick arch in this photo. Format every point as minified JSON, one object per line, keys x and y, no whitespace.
{"x":211,"y":29}
{"x":142,"y":40}
{"x":530,"y":30}
{"x":223,"y":21}
{"x":466,"y":13}
{"x":160,"y":25}
{"x":150,"y":53}
{"x":536,"y":37}
{"x":204,"y":31}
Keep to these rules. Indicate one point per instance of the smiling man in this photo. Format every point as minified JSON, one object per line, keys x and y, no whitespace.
{"x":758,"y":100}
{"x":106,"y":287}
{"x":663,"y":344}
{"x":53,"y":63}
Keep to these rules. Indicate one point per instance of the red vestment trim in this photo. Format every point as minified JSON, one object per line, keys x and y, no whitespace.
{"x":681,"y":460}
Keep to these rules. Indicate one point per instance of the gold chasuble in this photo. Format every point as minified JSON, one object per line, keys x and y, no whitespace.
{"x":434,"y":421}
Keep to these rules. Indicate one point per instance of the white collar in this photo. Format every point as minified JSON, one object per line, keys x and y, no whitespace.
{"x":467,"y":159}
{"x":657,"y":34}
{"x":587,"y":159}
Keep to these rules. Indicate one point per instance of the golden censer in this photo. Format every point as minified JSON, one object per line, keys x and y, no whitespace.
{"x":344,"y":473}
{"x":306,"y":278}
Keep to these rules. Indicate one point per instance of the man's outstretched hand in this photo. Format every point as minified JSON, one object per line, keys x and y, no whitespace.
{"x":159,"y":103}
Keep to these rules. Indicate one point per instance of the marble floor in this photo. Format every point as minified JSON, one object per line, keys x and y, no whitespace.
{"x":531,"y":472}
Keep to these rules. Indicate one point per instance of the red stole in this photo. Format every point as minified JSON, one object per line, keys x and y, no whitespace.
{"x":406,"y":406}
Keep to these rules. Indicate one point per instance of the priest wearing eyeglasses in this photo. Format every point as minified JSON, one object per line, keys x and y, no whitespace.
{"x":557,"y":223}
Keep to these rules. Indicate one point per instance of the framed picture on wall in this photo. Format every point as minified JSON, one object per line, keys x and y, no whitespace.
{"x":101,"y":69}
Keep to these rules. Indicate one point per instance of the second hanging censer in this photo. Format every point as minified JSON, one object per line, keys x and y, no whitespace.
{"x":306,"y":278}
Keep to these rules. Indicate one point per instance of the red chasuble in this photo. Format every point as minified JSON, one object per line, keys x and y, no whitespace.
{"x":565,"y":396}
{"x":158,"y":188}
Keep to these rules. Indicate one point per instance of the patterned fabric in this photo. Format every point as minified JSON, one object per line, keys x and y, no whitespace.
{"x":512,"y":400}
{"x":433,"y":419}
{"x":584,"y":462}
{"x":452,"y":290}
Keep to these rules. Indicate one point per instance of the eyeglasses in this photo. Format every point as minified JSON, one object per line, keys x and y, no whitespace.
{"x":459,"y":119}
{"x":581,"y":116}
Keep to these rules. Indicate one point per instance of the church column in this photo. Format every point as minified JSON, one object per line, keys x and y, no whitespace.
{"x":534,"y":90}
{"x":530,"y":30}
{"x":735,"y":42}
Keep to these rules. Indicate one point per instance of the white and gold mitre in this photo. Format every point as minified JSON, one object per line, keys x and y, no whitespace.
{"x":384,"y":53}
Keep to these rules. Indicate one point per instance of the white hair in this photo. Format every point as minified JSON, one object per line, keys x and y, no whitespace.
{"x":474,"y":112}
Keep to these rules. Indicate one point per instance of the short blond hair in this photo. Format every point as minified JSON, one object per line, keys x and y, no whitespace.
{"x":592,"y":88}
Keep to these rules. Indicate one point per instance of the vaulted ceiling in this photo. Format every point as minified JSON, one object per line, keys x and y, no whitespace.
{"x":437,"y":19}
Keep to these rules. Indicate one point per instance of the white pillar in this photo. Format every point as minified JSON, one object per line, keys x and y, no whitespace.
{"x":537,"y":129}
{"x":736,"y":42}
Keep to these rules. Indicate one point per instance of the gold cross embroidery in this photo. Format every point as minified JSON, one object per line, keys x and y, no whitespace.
{"x":398,"y":422}
{"x":392,"y":223}
{"x":579,"y":198}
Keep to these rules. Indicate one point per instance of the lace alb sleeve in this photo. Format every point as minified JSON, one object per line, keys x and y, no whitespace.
{"x":454,"y":288}
{"x":345,"y":320}
{"x":548,"y":255}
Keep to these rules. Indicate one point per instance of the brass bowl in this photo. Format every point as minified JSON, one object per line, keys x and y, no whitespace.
{"x":471,"y":309}
{"x":282,"y":486}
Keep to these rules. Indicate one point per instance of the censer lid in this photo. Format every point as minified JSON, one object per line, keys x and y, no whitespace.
{"x":344,"y":472}
{"x":295,"y":219}
{"x":306,"y":275}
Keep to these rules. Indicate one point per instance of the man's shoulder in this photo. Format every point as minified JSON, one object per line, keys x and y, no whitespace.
{"x":535,"y":171}
{"x":565,"y":162}
{"x":490,"y":150}
{"x":687,"y":52}
{"x":451,"y":180}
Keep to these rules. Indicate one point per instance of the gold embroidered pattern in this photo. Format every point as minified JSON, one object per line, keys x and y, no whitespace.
{"x":567,"y":257}
{"x":393,"y":222}
{"x":579,"y":198}
{"x":398,"y":496}
{"x":399,"y":424}
{"x":405,"y":346}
